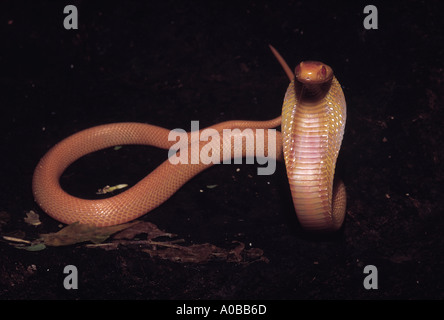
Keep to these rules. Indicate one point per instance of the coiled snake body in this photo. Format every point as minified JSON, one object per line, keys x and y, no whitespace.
{"x":313,"y":121}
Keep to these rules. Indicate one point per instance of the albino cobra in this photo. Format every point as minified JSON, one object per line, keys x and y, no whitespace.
{"x":313,"y":121}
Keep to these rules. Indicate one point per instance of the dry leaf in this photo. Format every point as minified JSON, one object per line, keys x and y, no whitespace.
{"x":203,"y":253}
{"x":32,"y":218}
{"x":33,"y":247}
{"x":171,"y":250}
{"x":15,"y":239}
{"x":20,"y":243}
{"x":108,"y":189}
{"x":144,"y":227}
{"x":76,"y":233}
{"x":198,"y":253}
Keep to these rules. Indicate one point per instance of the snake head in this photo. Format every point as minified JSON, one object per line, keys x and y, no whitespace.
{"x":313,"y":72}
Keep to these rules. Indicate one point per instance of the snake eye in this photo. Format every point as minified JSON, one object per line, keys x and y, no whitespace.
{"x":323,"y":72}
{"x":297,"y":70}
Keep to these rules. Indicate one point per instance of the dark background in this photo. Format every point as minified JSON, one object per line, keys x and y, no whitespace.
{"x":170,"y":62}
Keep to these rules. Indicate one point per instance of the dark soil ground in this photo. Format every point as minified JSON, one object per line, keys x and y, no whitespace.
{"x":170,"y":62}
